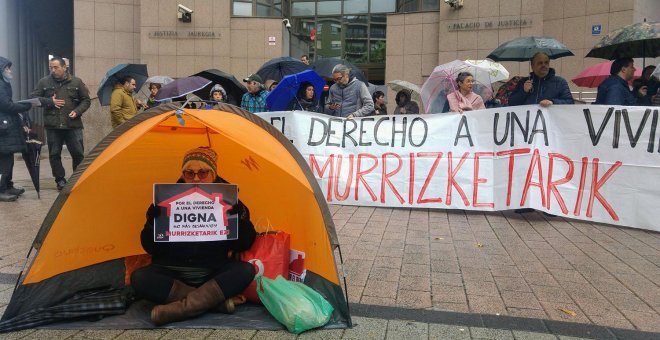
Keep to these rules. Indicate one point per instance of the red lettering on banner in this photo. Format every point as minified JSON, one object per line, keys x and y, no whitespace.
{"x":596,"y":184}
{"x":478,"y":180}
{"x":330,"y":163}
{"x":386,"y":177}
{"x":347,"y":191}
{"x":535,"y":163}
{"x":580,"y":191}
{"x":438,"y":156}
{"x":552,"y":185}
{"x":359,"y":176}
{"x":511,"y":154}
{"x":451,"y":173}
{"x":411,"y":178}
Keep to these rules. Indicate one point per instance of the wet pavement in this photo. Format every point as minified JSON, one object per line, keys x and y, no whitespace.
{"x":434,"y":274}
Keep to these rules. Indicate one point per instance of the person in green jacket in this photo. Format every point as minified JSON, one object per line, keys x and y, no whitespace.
{"x":122,"y":104}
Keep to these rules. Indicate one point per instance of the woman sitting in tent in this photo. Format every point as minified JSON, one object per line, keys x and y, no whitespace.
{"x":305,"y":99}
{"x":404,"y":105}
{"x":187,"y":279}
{"x":465,"y":99}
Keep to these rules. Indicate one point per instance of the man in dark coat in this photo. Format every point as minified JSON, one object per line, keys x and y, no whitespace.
{"x":614,"y":90}
{"x":12,"y":139}
{"x":64,"y":99}
{"x":542,"y":86}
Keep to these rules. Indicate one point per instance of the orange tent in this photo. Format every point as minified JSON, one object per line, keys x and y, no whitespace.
{"x":90,"y":237}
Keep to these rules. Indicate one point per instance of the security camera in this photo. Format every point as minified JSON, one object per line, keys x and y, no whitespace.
{"x":184,"y":9}
{"x":456,"y":4}
{"x":286,"y":23}
{"x":184,"y":14}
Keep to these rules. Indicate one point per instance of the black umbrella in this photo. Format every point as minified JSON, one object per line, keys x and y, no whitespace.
{"x":638,"y":40}
{"x":523,"y":49}
{"x":324,"y":68}
{"x":182,"y":87}
{"x":112,"y":77}
{"x":31,"y":156}
{"x":234,"y":88}
{"x":277,"y":68}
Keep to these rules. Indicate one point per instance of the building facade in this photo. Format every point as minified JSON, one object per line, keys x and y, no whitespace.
{"x":388,"y":39}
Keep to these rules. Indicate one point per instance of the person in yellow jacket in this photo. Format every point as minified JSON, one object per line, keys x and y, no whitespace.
{"x":122,"y":104}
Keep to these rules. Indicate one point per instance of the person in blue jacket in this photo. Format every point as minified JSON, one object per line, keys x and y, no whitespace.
{"x":614,"y":90}
{"x":542,"y":87}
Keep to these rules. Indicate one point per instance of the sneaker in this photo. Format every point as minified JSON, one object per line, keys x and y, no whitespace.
{"x":60,"y":184}
{"x":7,"y":197}
{"x":15,"y":191}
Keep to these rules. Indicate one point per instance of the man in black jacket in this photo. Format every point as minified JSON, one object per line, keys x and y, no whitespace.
{"x":64,"y":99}
{"x":11,"y":133}
{"x":542,"y":87}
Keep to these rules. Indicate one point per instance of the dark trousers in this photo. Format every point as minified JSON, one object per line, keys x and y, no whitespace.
{"x":154,"y":282}
{"x":73,"y":138}
{"x":6,"y":169}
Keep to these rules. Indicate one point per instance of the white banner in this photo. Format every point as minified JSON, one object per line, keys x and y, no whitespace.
{"x":590,"y":162}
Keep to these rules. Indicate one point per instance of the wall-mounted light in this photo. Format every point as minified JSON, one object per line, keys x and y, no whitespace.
{"x":456,"y":4}
{"x":286,"y":23}
{"x":184,"y":14}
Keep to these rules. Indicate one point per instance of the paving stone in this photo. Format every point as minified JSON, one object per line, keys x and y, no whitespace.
{"x":520,"y":300}
{"x":415,"y":283}
{"x":490,"y":333}
{"x":452,"y":307}
{"x":413,"y":299}
{"x":516,"y":284}
{"x":379,"y":288}
{"x":451,"y":294}
{"x":418,"y":270}
{"x":527,"y":313}
{"x":322,"y":334}
{"x":548,"y":293}
{"x":644,"y":321}
{"x":449,"y":279}
{"x":380,"y":301}
{"x":486,"y":304}
{"x":400,"y":329}
{"x":103,"y":334}
{"x":24,"y":334}
{"x":366,"y":328}
{"x":51,"y":334}
{"x":139,"y":334}
{"x":481,"y":288}
{"x":176,"y":334}
{"x":554,"y":311}
{"x":442,"y":332}
{"x":273,"y":335}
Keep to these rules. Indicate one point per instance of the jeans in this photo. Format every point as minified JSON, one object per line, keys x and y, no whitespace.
{"x":73,"y":138}
{"x":6,"y":167}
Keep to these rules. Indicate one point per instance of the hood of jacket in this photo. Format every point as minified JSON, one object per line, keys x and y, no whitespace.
{"x":218,"y":87}
{"x":4,"y":62}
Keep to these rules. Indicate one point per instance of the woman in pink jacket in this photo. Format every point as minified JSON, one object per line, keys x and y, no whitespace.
{"x":464,"y":99}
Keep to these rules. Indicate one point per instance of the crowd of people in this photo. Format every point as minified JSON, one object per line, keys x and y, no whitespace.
{"x":65,"y":98}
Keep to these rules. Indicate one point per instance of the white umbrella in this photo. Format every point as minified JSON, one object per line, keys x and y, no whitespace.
{"x":415,"y":90}
{"x":497,"y":71}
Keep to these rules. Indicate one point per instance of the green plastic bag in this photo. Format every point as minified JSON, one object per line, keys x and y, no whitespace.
{"x":293,"y":304}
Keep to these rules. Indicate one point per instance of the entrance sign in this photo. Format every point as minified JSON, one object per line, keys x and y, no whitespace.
{"x":195,"y":212}
{"x":590,"y":162}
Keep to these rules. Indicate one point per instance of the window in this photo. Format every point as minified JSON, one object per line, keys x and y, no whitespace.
{"x":356,"y":6}
{"x":299,"y":9}
{"x":257,"y":8}
{"x":331,"y":7}
{"x":383,"y":6}
{"x":403,"y":6}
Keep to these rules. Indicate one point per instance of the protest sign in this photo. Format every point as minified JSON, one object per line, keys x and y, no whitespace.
{"x":195,"y":212}
{"x":591,"y":162}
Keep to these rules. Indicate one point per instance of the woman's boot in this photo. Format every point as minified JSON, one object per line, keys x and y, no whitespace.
{"x":195,"y":303}
{"x":178,"y":291}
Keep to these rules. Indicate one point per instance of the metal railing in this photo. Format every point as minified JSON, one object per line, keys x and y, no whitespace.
{"x":584,"y":97}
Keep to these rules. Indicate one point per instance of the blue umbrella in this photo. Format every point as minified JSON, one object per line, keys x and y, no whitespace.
{"x":181,"y":87}
{"x":112,"y":77}
{"x":286,"y":90}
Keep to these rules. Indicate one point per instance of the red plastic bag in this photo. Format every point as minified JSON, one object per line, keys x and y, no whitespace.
{"x":270,"y":257}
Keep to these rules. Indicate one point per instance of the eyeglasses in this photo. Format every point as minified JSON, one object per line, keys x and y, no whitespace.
{"x":338,"y":79}
{"x":201,"y":173}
